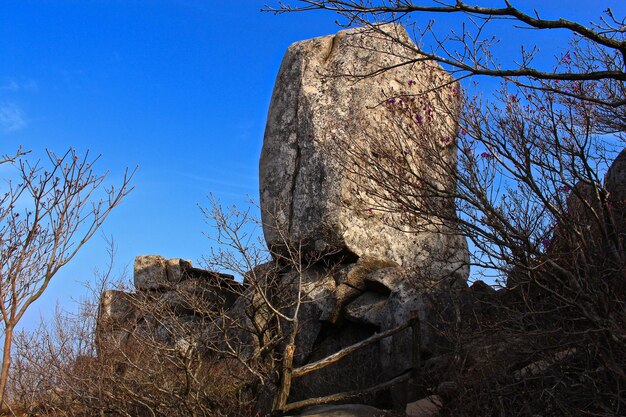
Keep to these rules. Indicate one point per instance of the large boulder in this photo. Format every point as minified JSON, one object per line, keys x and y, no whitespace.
{"x":320,"y":110}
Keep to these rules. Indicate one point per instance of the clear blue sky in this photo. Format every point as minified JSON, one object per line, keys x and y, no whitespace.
{"x":180,"y":88}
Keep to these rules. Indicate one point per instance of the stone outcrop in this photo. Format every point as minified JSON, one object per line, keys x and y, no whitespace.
{"x":387,"y":274}
{"x":386,"y":279}
{"x":169,"y":289}
{"x":314,"y":192}
{"x":153,"y":272}
{"x":320,"y":109}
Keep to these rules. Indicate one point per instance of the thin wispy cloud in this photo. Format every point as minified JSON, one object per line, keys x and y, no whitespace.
{"x":239,"y":187}
{"x":12,"y":118}
{"x":244,"y":182}
{"x":11,"y":84}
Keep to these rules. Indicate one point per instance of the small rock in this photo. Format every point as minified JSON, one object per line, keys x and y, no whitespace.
{"x":482,"y":287}
{"x":344,"y":410}
{"x":176,"y":269}
{"x":354,"y":274}
{"x":437,"y":366}
{"x":150,"y":272}
{"x":426,"y":407}
{"x":345,"y":294}
{"x":386,"y":280}
{"x":367,"y":309}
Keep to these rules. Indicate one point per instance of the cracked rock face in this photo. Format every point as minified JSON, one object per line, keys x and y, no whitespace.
{"x":308,"y":193}
{"x":153,"y":272}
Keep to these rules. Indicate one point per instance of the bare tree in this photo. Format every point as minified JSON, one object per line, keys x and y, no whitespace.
{"x":46,"y":216}
{"x":279,"y":285}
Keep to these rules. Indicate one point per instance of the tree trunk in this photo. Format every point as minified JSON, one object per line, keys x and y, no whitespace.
{"x":285,"y":383}
{"x":6,"y":361}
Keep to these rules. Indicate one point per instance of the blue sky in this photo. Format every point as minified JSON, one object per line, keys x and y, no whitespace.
{"x":180,"y":88}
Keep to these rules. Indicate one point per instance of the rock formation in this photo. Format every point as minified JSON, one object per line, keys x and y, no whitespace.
{"x":164,"y":288}
{"x":387,"y":273}
{"x":325,"y":102}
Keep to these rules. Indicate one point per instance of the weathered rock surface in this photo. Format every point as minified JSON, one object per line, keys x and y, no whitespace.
{"x":153,"y":272}
{"x":169,"y":295}
{"x":176,"y":269}
{"x":149,"y":272}
{"x":426,"y":407}
{"x":117,"y":315}
{"x":115,"y":306}
{"x":367,"y":309}
{"x":615,"y":185}
{"x":354,"y":275}
{"x":316,"y":112}
{"x":593,"y":212}
{"x":311,"y":196}
{"x":344,"y":410}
